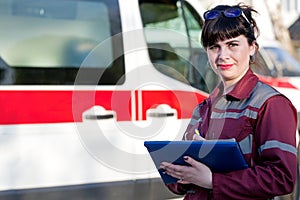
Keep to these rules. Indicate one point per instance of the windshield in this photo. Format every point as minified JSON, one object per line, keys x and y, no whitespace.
{"x":285,"y":64}
{"x":46,"y":42}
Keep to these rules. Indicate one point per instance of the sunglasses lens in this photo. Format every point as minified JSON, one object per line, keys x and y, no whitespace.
{"x":211,"y":14}
{"x":233,"y":12}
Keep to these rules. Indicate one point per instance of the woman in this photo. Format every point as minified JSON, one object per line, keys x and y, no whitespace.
{"x":261,"y":119}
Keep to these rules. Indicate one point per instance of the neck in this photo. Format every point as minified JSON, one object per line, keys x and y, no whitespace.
{"x":228,"y":88}
{"x":230,"y":84}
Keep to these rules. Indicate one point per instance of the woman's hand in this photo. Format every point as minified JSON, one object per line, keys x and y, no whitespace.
{"x":198,"y":173}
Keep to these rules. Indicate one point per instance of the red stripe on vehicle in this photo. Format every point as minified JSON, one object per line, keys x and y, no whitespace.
{"x":277,"y":82}
{"x":31,"y":107}
{"x":184,"y":102}
{"x":24,"y":107}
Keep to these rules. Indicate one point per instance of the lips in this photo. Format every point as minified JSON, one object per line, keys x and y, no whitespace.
{"x":224,"y":66}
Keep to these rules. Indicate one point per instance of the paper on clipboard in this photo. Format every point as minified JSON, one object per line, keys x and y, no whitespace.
{"x":219,"y":155}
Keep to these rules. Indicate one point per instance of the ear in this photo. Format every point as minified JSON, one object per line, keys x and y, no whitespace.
{"x":253,"y":48}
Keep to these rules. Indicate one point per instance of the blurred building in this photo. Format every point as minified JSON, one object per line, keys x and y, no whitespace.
{"x":294,"y":30}
{"x":292,"y":20}
{"x":290,"y":10}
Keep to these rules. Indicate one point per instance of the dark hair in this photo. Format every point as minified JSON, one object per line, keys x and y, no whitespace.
{"x":223,"y":28}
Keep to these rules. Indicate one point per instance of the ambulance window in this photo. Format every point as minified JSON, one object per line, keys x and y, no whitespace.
{"x":172,"y":31}
{"x":60,"y":42}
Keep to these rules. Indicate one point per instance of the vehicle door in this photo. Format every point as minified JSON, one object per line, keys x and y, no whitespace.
{"x":59,"y":67}
{"x":175,"y":50}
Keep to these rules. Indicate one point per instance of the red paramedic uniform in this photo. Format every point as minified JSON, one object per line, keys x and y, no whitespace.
{"x":264,"y":122}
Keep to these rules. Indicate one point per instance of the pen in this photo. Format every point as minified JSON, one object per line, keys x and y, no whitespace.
{"x":197,"y":132}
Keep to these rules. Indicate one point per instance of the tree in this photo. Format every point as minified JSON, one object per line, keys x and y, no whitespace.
{"x":281,"y":32}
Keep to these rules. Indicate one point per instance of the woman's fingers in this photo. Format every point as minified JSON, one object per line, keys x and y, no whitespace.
{"x":198,"y":137}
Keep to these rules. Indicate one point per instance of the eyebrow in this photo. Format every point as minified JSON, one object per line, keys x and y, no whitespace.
{"x":230,"y":41}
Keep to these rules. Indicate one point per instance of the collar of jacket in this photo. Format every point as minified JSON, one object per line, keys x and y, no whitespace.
{"x":242,"y":90}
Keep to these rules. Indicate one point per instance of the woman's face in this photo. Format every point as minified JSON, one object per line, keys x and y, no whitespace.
{"x":230,"y":58}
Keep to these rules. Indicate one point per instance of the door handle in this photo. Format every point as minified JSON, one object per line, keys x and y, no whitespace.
{"x":98,"y":117}
{"x":153,"y":114}
{"x":98,"y":113}
{"x":162,"y":110}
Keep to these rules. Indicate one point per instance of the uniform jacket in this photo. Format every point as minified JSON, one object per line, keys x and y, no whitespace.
{"x":264,"y":123}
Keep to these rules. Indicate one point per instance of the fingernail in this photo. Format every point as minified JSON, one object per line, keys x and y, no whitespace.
{"x":185,"y":158}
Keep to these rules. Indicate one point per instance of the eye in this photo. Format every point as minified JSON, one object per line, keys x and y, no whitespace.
{"x":213,"y":47}
{"x":233,"y":44}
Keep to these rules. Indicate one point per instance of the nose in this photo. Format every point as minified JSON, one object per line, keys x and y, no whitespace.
{"x":223,"y":54}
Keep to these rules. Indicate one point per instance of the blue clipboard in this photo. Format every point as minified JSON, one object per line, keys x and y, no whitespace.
{"x":220,"y":156}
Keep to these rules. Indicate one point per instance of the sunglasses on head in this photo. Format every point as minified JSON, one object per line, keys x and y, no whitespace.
{"x":229,"y":13}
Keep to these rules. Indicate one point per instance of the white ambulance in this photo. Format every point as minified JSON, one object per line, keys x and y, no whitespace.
{"x":84,"y":84}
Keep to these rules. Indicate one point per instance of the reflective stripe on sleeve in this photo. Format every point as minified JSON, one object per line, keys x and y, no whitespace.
{"x":276,"y":144}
